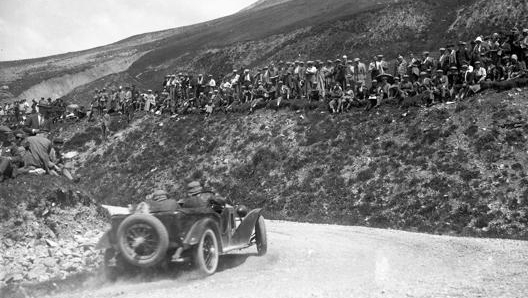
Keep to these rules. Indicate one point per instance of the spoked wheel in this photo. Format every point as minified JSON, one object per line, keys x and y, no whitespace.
{"x":142,"y":240}
{"x":206,"y":253}
{"x":261,"y":238}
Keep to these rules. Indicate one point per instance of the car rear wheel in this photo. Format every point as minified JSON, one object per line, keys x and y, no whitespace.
{"x":261,"y":237}
{"x":206,"y":253}
{"x":142,"y":240}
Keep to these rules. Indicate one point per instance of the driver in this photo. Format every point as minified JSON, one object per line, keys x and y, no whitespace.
{"x":198,"y":198}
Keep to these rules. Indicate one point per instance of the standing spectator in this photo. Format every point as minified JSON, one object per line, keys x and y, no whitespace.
{"x":400,"y":67}
{"x":427,"y":64}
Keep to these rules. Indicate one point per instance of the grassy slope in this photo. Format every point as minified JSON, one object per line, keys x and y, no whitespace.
{"x":449,"y":169}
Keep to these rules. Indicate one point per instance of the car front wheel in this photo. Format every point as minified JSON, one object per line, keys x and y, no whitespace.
{"x":206,"y":253}
{"x":261,"y":237}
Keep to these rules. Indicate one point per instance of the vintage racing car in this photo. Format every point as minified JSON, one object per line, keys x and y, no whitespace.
{"x":146,"y":239}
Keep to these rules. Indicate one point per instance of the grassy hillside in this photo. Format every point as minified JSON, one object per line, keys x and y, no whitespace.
{"x":455,"y":168}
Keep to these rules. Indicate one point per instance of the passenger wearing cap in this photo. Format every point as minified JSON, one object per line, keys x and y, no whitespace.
{"x":198,"y":197}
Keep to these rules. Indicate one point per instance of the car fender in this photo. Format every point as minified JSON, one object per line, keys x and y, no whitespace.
{"x":244,"y":231}
{"x":198,"y":228}
{"x":104,"y":241}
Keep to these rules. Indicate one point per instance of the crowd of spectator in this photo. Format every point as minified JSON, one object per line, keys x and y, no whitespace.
{"x":451,"y":74}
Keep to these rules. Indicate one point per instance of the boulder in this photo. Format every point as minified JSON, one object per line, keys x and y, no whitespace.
{"x":37,"y":273}
{"x":49,"y":262}
{"x":51,"y":243}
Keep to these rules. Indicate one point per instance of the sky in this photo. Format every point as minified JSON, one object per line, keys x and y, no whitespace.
{"x":37,"y":28}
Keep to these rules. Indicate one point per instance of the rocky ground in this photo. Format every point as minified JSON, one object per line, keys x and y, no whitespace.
{"x":48,"y":230}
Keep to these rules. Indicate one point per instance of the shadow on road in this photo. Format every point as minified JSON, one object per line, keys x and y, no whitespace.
{"x":233,"y":260}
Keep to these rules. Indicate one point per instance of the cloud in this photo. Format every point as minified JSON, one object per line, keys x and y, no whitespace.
{"x":35,"y":28}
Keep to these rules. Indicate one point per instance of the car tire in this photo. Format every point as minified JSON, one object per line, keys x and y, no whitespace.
{"x":142,"y":240}
{"x":206,"y":253}
{"x":261,"y":236}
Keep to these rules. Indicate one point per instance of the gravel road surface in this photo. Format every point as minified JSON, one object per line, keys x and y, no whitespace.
{"x":307,"y":260}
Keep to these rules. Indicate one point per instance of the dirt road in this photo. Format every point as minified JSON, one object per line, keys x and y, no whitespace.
{"x":307,"y":260}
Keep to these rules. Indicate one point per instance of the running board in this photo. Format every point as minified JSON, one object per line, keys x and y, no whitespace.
{"x":237,"y":247}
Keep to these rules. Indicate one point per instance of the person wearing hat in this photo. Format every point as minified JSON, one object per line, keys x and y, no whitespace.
{"x":211,"y":83}
{"x":523,"y":44}
{"x":360,"y":70}
{"x":462,"y":54}
{"x":443,"y":60}
{"x":400,"y":68}
{"x":328,"y":73}
{"x":247,"y":78}
{"x":479,"y":72}
{"x":37,"y":123}
{"x":159,"y":201}
{"x":103,"y":100}
{"x":150,"y":101}
{"x":9,"y":154}
{"x":57,"y":159}
{"x":94,"y":105}
{"x":311,"y":80}
{"x":339,"y":73}
{"x":381,"y":65}
{"x":407,"y":87}
{"x":479,"y":49}
{"x":427,"y":63}
{"x":454,"y":79}
{"x":301,"y":89}
{"x":515,"y":67}
{"x":235,"y":82}
{"x":440,"y":89}
{"x":375,"y":94}
{"x":284,"y":93}
{"x":424,"y":87}
{"x":468,"y":79}
{"x":199,"y":85}
{"x":336,"y":98}
{"x":197,"y":197}
{"x":413,"y":68}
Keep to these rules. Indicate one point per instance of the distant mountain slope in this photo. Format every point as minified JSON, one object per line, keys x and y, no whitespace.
{"x":264,"y":31}
{"x":260,"y":4}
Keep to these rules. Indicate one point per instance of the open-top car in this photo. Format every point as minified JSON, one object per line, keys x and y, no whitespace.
{"x":145,"y":237}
